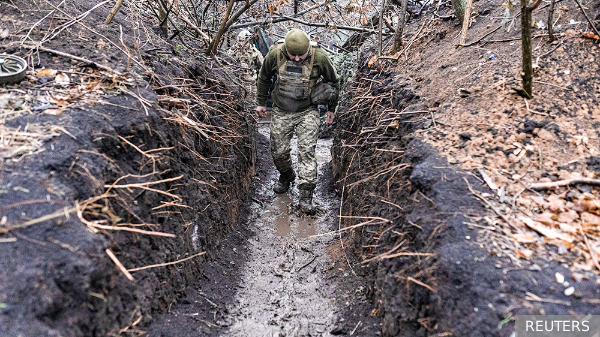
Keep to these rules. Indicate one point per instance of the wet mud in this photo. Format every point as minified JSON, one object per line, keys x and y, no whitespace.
{"x":280,"y":273}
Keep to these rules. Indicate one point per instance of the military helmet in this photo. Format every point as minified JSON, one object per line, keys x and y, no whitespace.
{"x":297,"y":42}
{"x":244,"y":35}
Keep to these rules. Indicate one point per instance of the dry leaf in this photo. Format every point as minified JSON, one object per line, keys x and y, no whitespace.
{"x":568,"y":228}
{"x":546,"y":231}
{"x":372,"y":60}
{"x":590,"y":35}
{"x":55,"y":112}
{"x":538,"y":200}
{"x":546,"y":218}
{"x":568,"y":216}
{"x":62,"y":79}
{"x":4,"y":33}
{"x":46,"y":72}
{"x":394,"y":124}
{"x":524,"y":253}
{"x":578,"y":277}
{"x":524,"y":238}
{"x":555,"y":204}
{"x":589,"y":219}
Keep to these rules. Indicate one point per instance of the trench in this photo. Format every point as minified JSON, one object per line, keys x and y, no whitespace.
{"x":279,"y":273}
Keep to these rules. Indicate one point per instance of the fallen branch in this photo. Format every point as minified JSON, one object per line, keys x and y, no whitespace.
{"x":543,"y":186}
{"x":119,"y":265}
{"x":165,"y":264}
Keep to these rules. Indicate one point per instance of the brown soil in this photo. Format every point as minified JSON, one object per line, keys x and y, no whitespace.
{"x":441,"y":263}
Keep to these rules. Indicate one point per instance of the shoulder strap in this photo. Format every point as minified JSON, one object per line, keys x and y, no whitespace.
{"x":312,"y":59}
{"x":280,"y":61}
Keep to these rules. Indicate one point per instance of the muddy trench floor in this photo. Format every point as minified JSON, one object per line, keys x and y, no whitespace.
{"x":276,"y":274}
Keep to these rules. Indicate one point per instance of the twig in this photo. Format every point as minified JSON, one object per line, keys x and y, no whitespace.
{"x":166,"y":264}
{"x":356,"y":327}
{"x":496,"y":210}
{"x":37,"y":23}
{"x":590,"y":248}
{"x":98,"y":65}
{"x":543,"y":186}
{"x":533,"y":297}
{"x":586,"y":17}
{"x":57,"y":214}
{"x":483,"y":37}
{"x":533,"y":111}
{"x":119,"y":265}
{"x":419,"y":283}
{"x":306,"y":264}
{"x":113,"y":12}
{"x":414,"y":38}
{"x":135,"y":230}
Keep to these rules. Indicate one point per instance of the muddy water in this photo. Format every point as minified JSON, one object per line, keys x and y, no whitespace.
{"x":284,"y":291}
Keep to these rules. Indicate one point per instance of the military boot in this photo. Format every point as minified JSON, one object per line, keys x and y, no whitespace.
{"x":306,"y":196}
{"x":285,"y":179}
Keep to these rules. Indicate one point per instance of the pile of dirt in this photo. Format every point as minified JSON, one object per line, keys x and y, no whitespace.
{"x":145,"y":152}
{"x":447,"y":257}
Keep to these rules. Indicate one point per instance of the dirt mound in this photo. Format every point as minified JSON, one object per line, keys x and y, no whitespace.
{"x":442,"y":263}
{"x":100,"y":161}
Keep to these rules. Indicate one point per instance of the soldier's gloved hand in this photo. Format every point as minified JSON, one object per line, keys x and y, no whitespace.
{"x":261,"y":111}
{"x":329,"y":118}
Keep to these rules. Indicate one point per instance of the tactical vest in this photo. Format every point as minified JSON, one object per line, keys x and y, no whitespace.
{"x":293,"y":78}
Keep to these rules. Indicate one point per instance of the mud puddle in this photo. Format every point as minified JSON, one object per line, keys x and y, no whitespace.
{"x":284,"y":291}
{"x":276,"y":275}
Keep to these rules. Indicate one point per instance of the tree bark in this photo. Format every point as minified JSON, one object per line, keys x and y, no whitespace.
{"x":400,"y":29}
{"x":526,"y":47}
{"x":466,"y":21}
{"x":550,"y":20}
{"x":526,"y":11}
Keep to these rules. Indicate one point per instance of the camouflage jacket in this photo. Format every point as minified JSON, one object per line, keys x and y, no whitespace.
{"x":322,"y":68}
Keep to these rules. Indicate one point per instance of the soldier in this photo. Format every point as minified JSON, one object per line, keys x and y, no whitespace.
{"x":250,"y":60}
{"x":305,"y":78}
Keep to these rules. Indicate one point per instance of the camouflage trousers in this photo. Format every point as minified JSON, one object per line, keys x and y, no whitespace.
{"x":306,"y":125}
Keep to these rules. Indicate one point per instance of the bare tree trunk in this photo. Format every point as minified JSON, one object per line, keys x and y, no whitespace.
{"x":526,"y":11}
{"x":381,"y":24}
{"x":214,"y":45}
{"x":550,"y":20}
{"x":466,"y":21}
{"x":400,"y":29}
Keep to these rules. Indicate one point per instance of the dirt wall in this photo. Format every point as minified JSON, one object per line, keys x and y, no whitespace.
{"x":420,"y":230}
{"x":57,"y":279}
